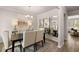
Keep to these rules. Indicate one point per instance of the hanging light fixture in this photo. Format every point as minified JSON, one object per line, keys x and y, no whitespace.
{"x":28,"y":15}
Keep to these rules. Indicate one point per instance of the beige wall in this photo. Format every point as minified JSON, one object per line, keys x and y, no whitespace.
{"x":7,"y":17}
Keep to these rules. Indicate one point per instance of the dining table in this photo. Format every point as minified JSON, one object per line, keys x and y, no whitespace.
{"x":17,"y":37}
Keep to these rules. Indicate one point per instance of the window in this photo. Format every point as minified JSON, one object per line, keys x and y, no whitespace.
{"x":76,"y":24}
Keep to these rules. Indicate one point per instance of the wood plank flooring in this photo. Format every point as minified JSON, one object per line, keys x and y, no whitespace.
{"x":71,"y":45}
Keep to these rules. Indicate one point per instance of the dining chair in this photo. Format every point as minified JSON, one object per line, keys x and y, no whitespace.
{"x":39,"y":37}
{"x":29,"y":39}
{"x":5,"y":38}
{"x":7,"y":41}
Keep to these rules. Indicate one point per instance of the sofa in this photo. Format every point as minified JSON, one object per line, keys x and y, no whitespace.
{"x":74,"y":32}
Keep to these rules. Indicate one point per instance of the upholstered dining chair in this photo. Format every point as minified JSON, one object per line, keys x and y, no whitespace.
{"x":7,"y":40}
{"x":29,"y":39}
{"x":39,"y":37}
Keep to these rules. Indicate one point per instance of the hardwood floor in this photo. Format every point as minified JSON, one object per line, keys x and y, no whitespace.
{"x":1,"y":46}
{"x":71,"y":45}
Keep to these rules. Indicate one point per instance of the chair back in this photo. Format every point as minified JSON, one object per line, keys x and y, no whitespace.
{"x":5,"y":38}
{"x":39,"y":35}
{"x":28,"y":38}
{"x":14,"y":36}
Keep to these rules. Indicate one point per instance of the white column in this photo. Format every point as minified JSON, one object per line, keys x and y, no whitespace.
{"x":61,"y":32}
{"x":66,"y":26}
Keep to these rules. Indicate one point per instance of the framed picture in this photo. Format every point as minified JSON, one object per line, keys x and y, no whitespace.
{"x":46,"y":22}
{"x":41,"y":23}
{"x":53,"y":23}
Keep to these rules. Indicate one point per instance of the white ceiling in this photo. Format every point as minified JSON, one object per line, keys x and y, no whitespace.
{"x":34,"y":10}
{"x":28,"y":9}
{"x":72,"y":8}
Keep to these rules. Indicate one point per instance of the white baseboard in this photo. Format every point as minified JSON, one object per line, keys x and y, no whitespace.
{"x":60,"y":46}
{"x":50,"y":37}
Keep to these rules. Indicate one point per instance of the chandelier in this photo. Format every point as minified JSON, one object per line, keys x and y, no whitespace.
{"x":29,"y":16}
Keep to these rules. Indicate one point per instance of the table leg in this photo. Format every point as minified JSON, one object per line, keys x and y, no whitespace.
{"x":20,"y":46}
{"x":13,"y":46}
{"x":44,"y":37}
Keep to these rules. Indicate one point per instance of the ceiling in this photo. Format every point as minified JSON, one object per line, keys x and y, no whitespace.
{"x":72,"y":8}
{"x":29,"y":9}
{"x":36,"y":9}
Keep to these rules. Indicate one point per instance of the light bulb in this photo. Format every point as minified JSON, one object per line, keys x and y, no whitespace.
{"x":55,"y":16}
{"x":31,"y":16}
{"x":27,"y":16}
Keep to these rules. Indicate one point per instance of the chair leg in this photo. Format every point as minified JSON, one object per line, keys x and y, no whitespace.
{"x":6,"y":50}
{"x":35,"y":47}
{"x":20,"y":48}
{"x":23,"y":49}
{"x":42,"y":43}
